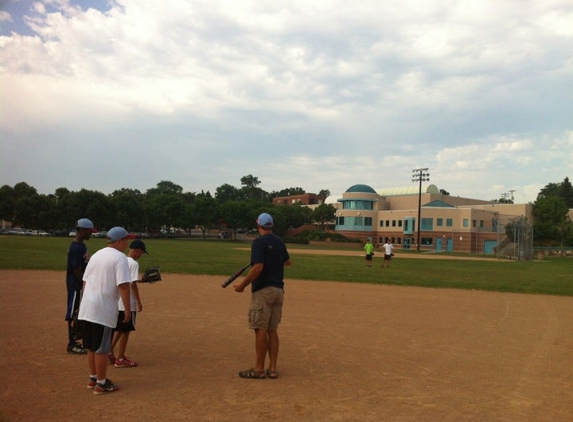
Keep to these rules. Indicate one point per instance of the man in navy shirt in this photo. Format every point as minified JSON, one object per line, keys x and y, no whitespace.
{"x":269,"y":255}
{"x":78,"y":258}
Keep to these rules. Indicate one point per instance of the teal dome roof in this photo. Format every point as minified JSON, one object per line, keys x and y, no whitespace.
{"x":360,"y":189}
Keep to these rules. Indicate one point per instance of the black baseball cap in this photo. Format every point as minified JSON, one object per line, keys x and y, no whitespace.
{"x":138,"y":244}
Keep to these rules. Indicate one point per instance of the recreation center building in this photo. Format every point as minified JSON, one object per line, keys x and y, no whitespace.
{"x":447,"y":223}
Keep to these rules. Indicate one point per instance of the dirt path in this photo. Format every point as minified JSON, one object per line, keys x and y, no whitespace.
{"x":348,"y":353}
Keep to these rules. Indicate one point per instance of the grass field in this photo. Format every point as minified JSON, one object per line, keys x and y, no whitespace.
{"x":551,"y":276}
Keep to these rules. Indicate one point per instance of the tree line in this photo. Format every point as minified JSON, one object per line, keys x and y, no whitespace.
{"x":166,"y":205}
{"x":158,"y":209}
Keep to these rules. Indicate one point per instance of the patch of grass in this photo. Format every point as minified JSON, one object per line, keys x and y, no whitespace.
{"x":213,"y":257}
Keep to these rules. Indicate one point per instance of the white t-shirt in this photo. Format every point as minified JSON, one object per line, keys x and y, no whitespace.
{"x":106,"y":270}
{"x":134,"y":271}
{"x":388,"y":248}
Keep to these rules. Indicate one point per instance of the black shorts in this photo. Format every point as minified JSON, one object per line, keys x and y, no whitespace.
{"x":97,"y":337}
{"x":387,"y":257}
{"x":125,"y":328}
{"x":369,"y":257}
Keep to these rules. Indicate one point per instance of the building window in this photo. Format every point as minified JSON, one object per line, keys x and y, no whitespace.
{"x":399,"y":223}
{"x":341,"y":221}
{"x":481,"y":224}
{"x":399,"y":241}
{"x":473,"y":223}
{"x":439,"y":222}
{"x":427,"y":224}
{"x":358,"y":221}
{"x":393,"y":223}
{"x":368,"y":221}
{"x":449,"y":222}
{"x":427,"y":241}
{"x":358,"y":205}
{"x":466,"y":222}
{"x":387,"y":223}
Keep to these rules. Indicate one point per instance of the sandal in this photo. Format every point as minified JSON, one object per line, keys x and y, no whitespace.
{"x":252,"y":374}
{"x":273,"y":375}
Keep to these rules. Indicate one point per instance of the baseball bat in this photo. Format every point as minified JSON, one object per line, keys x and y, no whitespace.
{"x":234,"y":276}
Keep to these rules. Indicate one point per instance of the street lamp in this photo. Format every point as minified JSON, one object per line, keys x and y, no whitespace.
{"x":420,"y":175}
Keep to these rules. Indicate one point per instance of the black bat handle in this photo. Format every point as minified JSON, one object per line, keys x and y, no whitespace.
{"x":234,"y":276}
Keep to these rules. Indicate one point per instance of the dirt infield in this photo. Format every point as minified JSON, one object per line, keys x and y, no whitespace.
{"x":348,"y":353}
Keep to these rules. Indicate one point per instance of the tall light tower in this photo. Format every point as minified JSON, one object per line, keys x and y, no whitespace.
{"x":420,"y":175}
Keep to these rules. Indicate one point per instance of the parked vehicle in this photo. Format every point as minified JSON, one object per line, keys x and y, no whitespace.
{"x":41,"y":233}
{"x":73,"y":233}
{"x":99,"y":234}
{"x":20,"y":232}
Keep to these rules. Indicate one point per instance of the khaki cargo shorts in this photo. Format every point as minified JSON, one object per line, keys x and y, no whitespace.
{"x":266,"y":308}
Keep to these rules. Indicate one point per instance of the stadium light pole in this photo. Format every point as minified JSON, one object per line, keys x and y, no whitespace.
{"x":420,"y":175}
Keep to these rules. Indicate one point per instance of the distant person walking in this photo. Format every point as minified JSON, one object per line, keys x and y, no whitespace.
{"x":388,"y":248}
{"x":106,"y":279}
{"x":369,"y":248}
{"x":78,"y":258}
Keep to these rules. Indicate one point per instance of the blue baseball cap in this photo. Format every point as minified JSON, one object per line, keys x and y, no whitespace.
{"x":116,"y":233}
{"x":84,"y":223}
{"x":265,"y":220}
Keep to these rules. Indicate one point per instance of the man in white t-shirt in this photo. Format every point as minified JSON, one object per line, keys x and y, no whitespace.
{"x":121,"y":332}
{"x":106,"y":279}
{"x":388,"y":247}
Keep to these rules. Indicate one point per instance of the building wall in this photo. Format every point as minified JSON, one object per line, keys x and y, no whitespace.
{"x":304,"y":199}
{"x":467,"y":225}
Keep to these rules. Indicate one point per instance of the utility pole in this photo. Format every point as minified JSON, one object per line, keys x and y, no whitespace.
{"x":420,"y":175}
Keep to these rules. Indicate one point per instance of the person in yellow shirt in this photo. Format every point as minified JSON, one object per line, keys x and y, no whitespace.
{"x":369,"y":248}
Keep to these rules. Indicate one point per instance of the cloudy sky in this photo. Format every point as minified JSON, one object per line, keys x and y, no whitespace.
{"x":299,"y":93}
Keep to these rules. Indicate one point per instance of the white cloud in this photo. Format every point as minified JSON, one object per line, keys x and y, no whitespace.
{"x":298,"y":93}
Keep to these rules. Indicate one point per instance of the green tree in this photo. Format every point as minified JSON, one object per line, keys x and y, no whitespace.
{"x":226,"y":193}
{"x":293,"y":216}
{"x":250,"y":181}
{"x":236,"y":214}
{"x":25,"y":197}
{"x":203,"y":213}
{"x":130,"y":212}
{"x":165,"y":211}
{"x":165,"y":187}
{"x":551,"y":189}
{"x":324,"y":193}
{"x":566,"y":192}
{"x":7,"y":203}
{"x":550,"y":217}
{"x":288,"y":192}
{"x":90,"y":204}
{"x":324,"y":213}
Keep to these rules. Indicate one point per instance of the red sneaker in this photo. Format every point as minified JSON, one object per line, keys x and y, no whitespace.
{"x":125,"y":362}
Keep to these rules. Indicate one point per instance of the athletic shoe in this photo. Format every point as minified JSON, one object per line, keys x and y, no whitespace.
{"x":76,"y":349}
{"x":125,"y":362}
{"x":92,"y":383}
{"x":111,"y":358}
{"x":107,"y":387}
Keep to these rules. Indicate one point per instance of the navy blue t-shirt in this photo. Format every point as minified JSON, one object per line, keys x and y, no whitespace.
{"x":270,"y":251}
{"x":77,"y":257}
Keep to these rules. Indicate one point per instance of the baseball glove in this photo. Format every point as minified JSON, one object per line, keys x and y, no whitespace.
{"x":76,"y":327}
{"x":151,"y":275}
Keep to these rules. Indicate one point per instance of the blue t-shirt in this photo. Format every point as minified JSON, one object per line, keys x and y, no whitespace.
{"x":77,"y":257}
{"x":270,"y":251}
